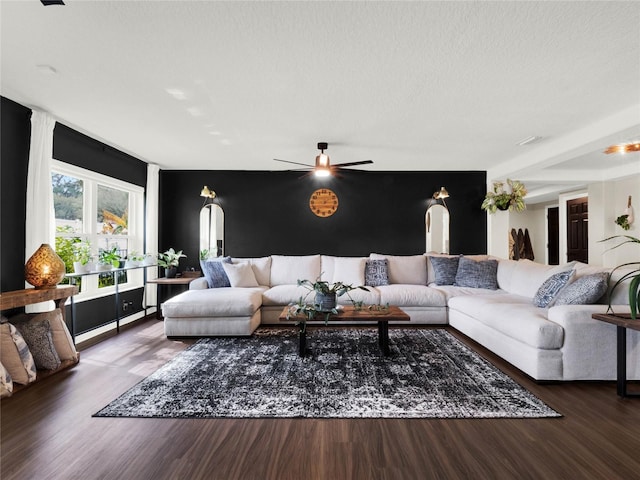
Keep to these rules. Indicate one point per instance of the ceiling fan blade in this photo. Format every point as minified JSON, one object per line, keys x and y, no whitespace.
{"x":294,"y":163}
{"x":363,"y":162}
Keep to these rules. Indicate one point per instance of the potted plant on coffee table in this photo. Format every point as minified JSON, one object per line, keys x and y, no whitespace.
{"x":169,"y":260}
{"x":326,"y":294}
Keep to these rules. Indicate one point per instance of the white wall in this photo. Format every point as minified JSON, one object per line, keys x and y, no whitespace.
{"x":607,"y":201}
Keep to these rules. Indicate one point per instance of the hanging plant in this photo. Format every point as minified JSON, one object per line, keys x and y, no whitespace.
{"x":511,"y":198}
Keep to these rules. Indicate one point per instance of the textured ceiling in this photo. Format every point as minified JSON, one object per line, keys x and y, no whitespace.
{"x":410,"y":85}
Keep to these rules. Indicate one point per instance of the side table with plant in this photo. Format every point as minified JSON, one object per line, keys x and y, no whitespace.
{"x":633,"y":276}
{"x":169,"y":260}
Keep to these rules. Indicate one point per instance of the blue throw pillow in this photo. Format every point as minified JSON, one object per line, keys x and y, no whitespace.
{"x":550,"y":288}
{"x":584,"y":291}
{"x":214,"y":272}
{"x":376,"y":273}
{"x":477,"y":274}
{"x":445,"y":269}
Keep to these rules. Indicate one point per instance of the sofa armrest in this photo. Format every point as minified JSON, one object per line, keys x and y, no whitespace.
{"x":589,"y":347}
{"x":199,"y":283}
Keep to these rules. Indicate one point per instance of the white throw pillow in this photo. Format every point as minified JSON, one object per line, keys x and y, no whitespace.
{"x":405,"y":269}
{"x":349,"y":270}
{"x":261,"y":268}
{"x":240,"y":274}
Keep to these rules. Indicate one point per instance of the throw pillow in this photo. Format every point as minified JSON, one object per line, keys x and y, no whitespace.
{"x":62,"y":340}
{"x":15,"y":355}
{"x":444,"y":269}
{"x":405,"y":269}
{"x":240,"y":274}
{"x":584,"y":291}
{"x":477,"y":274}
{"x":551,"y":287}
{"x":6,"y":384}
{"x":376,"y":273}
{"x":349,"y":271}
{"x":38,"y":337}
{"x":214,"y":272}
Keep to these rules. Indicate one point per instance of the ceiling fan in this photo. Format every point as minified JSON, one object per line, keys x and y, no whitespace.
{"x":323,"y":167}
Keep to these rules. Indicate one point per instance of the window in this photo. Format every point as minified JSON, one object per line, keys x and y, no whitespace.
{"x":104,"y":213}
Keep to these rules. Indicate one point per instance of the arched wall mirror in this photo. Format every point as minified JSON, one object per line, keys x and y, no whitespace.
{"x":212,"y":230}
{"x":437,"y":228}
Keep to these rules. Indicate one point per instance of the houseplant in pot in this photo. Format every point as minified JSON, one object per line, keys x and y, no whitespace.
{"x":501,"y":198}
{"x":326,"y":294}
{"x":169,"y":260}
{"x":82,"y":258}
{"x":108,"y":258}
{"x":632,"y":276}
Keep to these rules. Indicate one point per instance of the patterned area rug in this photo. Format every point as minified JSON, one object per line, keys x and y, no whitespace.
{"x":429,"y":374}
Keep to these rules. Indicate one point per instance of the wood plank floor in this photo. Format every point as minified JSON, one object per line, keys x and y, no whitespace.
{"x":48,"y":433}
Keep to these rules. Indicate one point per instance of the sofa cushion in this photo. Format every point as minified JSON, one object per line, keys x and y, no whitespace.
{"x":214,"y":272}
{"x":261,"y":268}
{"x":444,"y":269}
{"x":240,"y":275}
{"x":288,"y":269}
{"x":349,"y":270}
{"x":451,"y":291}
{"x":524,"y":277}
{"x":405,"y":269}
{"x":585,"y":290}
{"x":286,"y":294}
{"x":376,"y":273}
{"x":214,"y":302}
{"x":38,"y":337}
{"x":15,"y":355}
{"x":477,"y":273}
{"x":411,"y":296}
{"x":547,"y":292}
{"x":514,"y":316}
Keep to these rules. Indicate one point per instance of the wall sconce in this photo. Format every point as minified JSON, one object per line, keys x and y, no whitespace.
{"x":207,"y":194}
{"x":439,"y":195}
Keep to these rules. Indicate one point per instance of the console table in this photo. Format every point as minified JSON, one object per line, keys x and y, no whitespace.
{"x":29,"y":296}
{"x":622,"y":321}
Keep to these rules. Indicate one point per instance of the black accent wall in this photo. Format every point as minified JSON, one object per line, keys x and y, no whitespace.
{"x":268,"y":212}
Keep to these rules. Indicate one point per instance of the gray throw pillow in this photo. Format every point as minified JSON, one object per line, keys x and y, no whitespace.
{"x":584,"y":291}
{"x":214,"y":272}
{"x":37,"y":336}
{"x":477,"y":274}
{"x":445,"y":269}
{"x":376,"y":273}
{"x":550,"y":287}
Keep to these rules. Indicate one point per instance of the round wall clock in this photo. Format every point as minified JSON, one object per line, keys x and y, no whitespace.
{"x":323,"y":202}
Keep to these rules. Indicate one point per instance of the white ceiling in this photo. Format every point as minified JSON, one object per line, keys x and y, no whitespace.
{"x":410,"y":85}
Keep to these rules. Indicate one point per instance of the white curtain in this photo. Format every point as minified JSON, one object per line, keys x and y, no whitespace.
{"x":40,"y":217}
{"x":151,"y":222}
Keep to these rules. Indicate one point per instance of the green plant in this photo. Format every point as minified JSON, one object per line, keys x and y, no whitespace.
{"x":64,"y":247}
{"x":109,"y":257}
{"x":623,"y":221}
{"x":633,"y":276}
{"x":135,"y":256}
{"x":326,"y":288}
{"x":308,"y":312}
{"x":501,"y":199}
{"x":170,"y":258}
{"x":82,"y":252}
{"x":205,"y":254}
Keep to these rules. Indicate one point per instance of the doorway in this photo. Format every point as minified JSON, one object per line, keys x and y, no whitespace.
{"x":553,"y":236}
{"x":578,"y":229}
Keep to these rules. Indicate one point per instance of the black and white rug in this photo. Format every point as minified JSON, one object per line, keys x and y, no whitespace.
{"x":429,"y":374}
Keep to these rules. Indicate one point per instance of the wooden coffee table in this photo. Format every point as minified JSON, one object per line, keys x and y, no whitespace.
{"x":349,"y":313}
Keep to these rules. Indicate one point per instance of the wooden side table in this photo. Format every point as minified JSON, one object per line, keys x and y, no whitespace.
{"x":622,"y":321}
{"x":168,"y":283}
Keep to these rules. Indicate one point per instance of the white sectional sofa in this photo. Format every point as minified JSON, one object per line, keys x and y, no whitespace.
{"x":561,"y":342}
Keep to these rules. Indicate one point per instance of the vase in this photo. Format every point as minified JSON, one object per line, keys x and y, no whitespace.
{"x":45,"y":269}
{"x":326,"y":301}
{"x":502,"y":207}
{"x":170,"y":272}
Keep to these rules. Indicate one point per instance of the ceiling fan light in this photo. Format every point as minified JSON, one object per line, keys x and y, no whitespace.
{"x":322,"y":161}
{"x":322,"y":172}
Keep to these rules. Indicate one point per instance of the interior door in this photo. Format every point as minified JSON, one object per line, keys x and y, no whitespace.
{"x":553,"y":235}
{"x":578,"y":229}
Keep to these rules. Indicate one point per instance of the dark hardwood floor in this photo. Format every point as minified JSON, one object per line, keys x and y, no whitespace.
{"x":48,"y":433}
